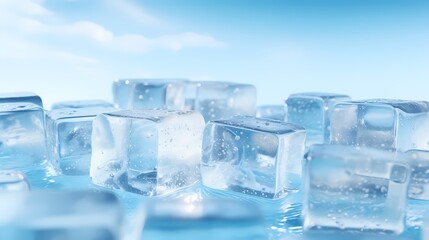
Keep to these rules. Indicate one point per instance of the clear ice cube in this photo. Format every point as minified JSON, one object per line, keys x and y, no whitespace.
{"x":424,"y":233}
{"x":21,"y":97}
{"x":218,"y":218}
{"x":313,"y":112}
{"x":254,"y":156}
{"x":149,"y":152}
{"x":149,"y":93}
{"x":221,"y":100}
{"x":355,"y":188}
{"x":419,"y":182}
{"x":275,"y":112}
{"x":11,"y":180}
{"x":82,"y":104}
{"x":69,"y":137}
{"x":381,"y":123}
{"x":22,"y":135}
{"x":62,"y":215}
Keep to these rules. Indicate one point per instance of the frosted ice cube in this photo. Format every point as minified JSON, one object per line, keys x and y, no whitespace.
{"x":21,"y":97}
{"x":147,"y":151}
{"x":211,"y":218}
{"x":22,"y":135}
{"x":149,"y":93}
{"x":254,"y":156}
{"x":355,"y":188}
{"x":60,"y":215}
{"x":382,"y":123}
{"x":81,"y":104}
{"x":13,"y":181}
{"x":221,"y":100}
{"x":275,"y":112}
{"x":313,"y":112}
{"x":69,"y":137}
{"x":419,"y":182}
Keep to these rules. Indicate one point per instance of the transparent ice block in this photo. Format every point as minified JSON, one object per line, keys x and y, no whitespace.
{"x":21,"y":97}
{"x":82,"y":104}
{"x":313,"y":111}
{"x":254,"y":156}
{"x":13,"y":181}
{"x":149,"y":152}
{"x":419,"y":182}
{"x":275,"y":112}
{"x":149,"y":93}
{"x":381,"y":123}
{"x":22,"y":135}
{"x":355,"y":188}
{"x":69,"y":133}
{"x":221,"y":100}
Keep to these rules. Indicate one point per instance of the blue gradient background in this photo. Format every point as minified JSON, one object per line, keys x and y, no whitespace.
{"x":364,"y":48}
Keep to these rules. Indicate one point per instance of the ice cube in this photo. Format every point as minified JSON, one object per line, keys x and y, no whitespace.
{"x":419,"y":182}
{"x":210,"y":218}
{"x":191,"y":95}
{"x":355,"y":188}
{"x":424,"y":228}
{"x":254,"y":156}
{"x":22,"y":135}
{"x":220,"y":100}
{"x":381,"y":123}
{"x":149,"y":93}
{"x":69,"y":137}
{"x":82,"y":104}
{"x":13,"y":181}
{"x":275,"y":112}
{"x":313,"y":112}
{"x":147,"y":151}
{"x":60,"y":215}
{"x":21,"y":97}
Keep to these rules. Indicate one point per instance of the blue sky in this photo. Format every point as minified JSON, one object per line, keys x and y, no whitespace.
{"x":73,"y":49}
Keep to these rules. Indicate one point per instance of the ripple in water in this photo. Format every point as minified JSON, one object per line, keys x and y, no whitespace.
{"x":282,"y":217}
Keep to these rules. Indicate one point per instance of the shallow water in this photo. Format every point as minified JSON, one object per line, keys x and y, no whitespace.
{"x":281,"y":217}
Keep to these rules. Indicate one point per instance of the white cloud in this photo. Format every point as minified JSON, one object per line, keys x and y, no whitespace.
{"x":16,"y":48}
{"x":175,"y":42}
{"x":25,"y":7}
{"x":30,"y":27}
{"x":137,"y":13}
{"x":86,"y":28}
{"x":22,"y":15}
{"x":138,"y":43}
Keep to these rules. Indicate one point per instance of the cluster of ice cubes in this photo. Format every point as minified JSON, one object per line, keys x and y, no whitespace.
{"x":355,"y":163}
